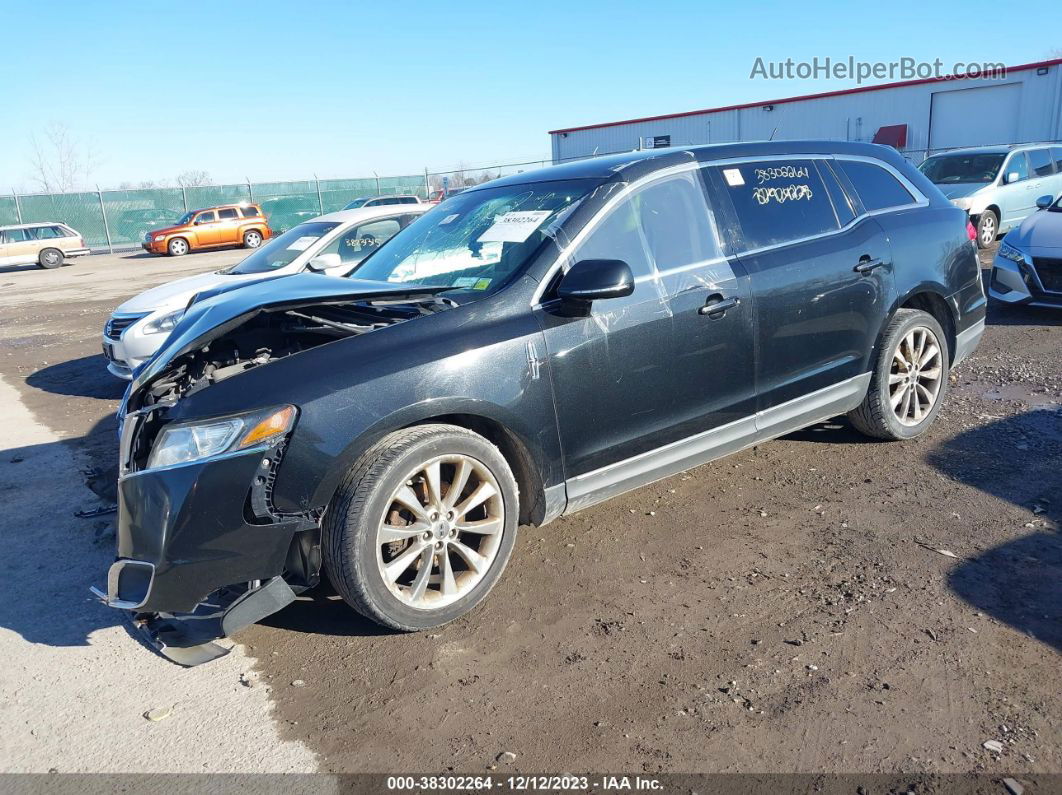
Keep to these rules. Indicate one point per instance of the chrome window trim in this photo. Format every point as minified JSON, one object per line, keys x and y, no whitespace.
{"x":920,"y":200}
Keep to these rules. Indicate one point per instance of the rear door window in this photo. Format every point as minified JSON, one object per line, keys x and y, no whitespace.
{"x":843,"y":204}
{"x":877,"y":188}
{"x":775,"y":201}
{"x":1040,"y":160}
{"x":227,"y":214}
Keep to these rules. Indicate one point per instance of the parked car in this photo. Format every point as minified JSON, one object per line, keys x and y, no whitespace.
{"x":442,"y":194}
{"x":49,"y":244}
{"x":134,"y":225}
{"x":379,"y":201}
{"x":1027,"y":269}
{"x":997,"y":185}
{"x":526,"y":349}
{"x":210,"y":227}
{"x":330,"y":244}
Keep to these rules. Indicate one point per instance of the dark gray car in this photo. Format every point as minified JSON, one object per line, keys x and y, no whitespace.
{"x":528,"y":348}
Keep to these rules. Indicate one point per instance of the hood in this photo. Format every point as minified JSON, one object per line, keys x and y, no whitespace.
{"x":212,"y":317}
{"x":958,"y":190}
{"x":1042,"y":229}
{"x":177,"y":293}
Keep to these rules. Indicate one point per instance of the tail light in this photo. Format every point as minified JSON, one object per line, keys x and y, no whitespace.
{"x":970,"y":231}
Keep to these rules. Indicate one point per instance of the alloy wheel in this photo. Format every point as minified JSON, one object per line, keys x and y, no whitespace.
{"x":988,"y":231}
{"x":916,"y":376}
{"x":253,"y":240}
{"x":440,"y":532}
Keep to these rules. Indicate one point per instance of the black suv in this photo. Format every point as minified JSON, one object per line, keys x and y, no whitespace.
{"x":528,"y":348}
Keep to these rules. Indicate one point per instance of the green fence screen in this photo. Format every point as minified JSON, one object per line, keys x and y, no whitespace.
{"x":117,"y":219}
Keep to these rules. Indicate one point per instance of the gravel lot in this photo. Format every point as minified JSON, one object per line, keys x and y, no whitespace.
{"x":819,"y":603}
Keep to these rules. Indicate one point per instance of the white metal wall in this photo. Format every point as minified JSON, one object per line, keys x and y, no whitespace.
{"x":851,"y":117}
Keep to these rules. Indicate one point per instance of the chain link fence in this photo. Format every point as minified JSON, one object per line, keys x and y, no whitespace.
{"x":112,"y":220}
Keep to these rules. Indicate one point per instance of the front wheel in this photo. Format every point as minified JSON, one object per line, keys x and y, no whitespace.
{"x":987,"y":229}
{"x":252,"y":239}
{"x":909,"y":379}
{"x":177,"y":247}
{"x":422,"y":527}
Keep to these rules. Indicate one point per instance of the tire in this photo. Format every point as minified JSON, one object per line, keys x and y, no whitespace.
{"x":177,"y":247}
{"x":987,"y":228}
{"x":252,"y":239}
{"x":359,"y":557}
{"x":877,"y":416}
{"x":50,"y":258}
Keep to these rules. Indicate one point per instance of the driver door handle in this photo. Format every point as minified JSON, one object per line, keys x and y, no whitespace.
{"x":717,"y":306}
{"x":866,"y":264}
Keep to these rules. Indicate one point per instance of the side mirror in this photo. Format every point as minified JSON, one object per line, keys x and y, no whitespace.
{"x":595,"y":280}
{"x":324,"y":262}
{"x":1011,"y":176}
{"x":1045,"y":201}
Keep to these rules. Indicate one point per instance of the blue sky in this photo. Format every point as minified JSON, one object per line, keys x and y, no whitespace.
{"x":269,"y":90}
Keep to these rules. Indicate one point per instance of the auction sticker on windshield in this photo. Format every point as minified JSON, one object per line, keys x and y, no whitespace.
{"x":302,"y":243}
{"x":514,"y":227}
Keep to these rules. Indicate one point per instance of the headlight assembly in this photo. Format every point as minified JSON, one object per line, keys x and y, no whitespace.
{"x":164,"y":323}
{"x":1007,"y":251}
{"x":159,"y":238}
{"x":195,"y":441}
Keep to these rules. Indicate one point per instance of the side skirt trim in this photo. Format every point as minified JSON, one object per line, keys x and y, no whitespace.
{"x":615,"y":479}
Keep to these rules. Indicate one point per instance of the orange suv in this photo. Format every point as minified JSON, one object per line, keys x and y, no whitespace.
{"x":224,"y":225}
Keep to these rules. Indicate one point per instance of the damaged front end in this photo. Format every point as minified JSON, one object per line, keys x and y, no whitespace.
{"x":202,"y":549}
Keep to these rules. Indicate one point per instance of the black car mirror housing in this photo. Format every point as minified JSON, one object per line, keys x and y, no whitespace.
{"x":596,"y":280}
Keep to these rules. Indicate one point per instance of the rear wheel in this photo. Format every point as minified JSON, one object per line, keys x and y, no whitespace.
{"x":50,"y":258}
{"x":987,"y":229}
{"x":909,"y":380}
{"x":252,"y":239}
{"x":422,"y":527}
{"x":177,"y":247}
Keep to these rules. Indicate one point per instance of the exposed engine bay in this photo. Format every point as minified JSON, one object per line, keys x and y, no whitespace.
{"x":274,"y":333}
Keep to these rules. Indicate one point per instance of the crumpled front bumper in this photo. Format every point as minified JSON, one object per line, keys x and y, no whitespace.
{"x":186,"y":531}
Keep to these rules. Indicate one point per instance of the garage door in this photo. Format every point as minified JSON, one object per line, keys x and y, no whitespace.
{"x":975,"y":116}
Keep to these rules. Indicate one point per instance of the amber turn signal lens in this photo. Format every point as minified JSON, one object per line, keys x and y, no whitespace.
{"x":277,"y":423}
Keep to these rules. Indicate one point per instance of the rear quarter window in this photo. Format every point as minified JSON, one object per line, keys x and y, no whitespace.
{"x":775,"y":201}
{"x":251,"y":212}
{"x":877,"y":188}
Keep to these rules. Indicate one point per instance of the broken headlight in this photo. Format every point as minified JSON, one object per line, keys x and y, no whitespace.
{"x":194,"y":441}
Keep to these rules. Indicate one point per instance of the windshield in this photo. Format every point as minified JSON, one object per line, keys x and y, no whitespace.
{"x":186,"y":219}
{"x":356,"y":204}
{"x":283,"y":250}
{"x":947,"y":169}
{"x":475,"y":241}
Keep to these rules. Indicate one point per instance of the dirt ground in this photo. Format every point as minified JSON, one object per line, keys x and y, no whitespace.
{"x":819,"y":603}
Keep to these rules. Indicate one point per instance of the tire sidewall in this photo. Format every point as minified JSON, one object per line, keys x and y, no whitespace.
{"x":917,"y":320}
{"x":172,"y":253}
{"x":359,"y":541}
{"x":42,"y":258}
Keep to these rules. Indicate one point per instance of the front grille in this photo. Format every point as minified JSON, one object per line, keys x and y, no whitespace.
{"x":116,"y":324}
{"x":1050,"y":272}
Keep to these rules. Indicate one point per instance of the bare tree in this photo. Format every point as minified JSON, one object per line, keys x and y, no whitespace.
{"x":194,"y":178}
{"x":59,"y":162}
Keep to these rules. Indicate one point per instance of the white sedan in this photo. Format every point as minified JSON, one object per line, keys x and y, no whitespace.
{"x":331,"y":244}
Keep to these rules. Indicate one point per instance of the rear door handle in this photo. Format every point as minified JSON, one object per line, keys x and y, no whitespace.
{"x":717,"y":306}
{"x":866,"y":264}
